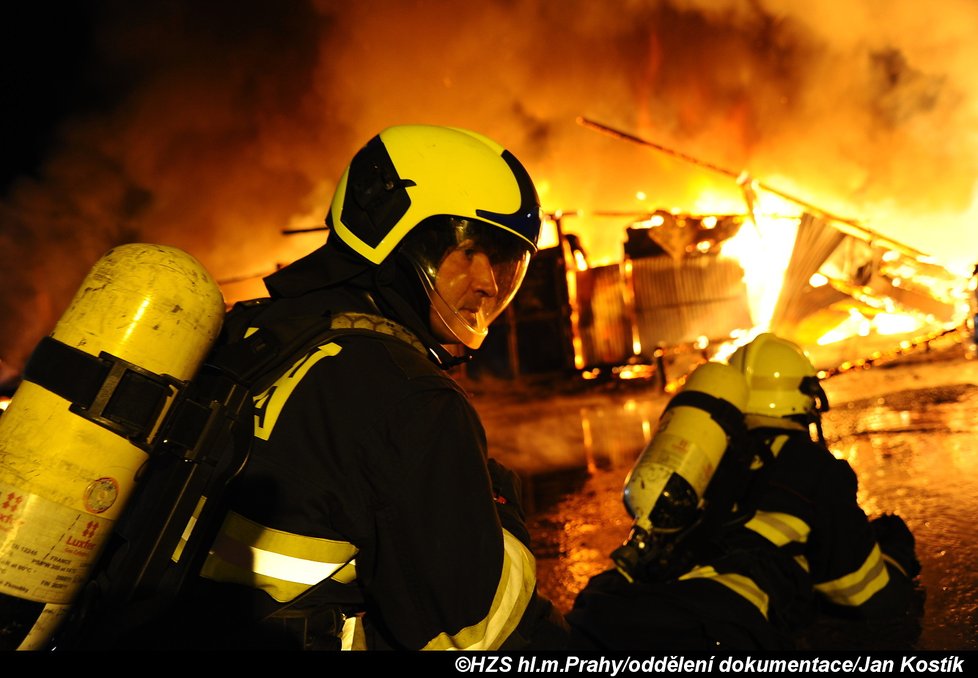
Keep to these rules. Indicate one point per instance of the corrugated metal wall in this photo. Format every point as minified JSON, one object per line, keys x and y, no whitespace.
{"x":678,"y":301}
{"x":674,"y":303}
{"x":605,"y":329}
{"x":814,"y":243}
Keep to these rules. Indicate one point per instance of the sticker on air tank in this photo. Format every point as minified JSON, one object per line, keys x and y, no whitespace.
{"x":45,"y":548}
{"x":686,"y":459}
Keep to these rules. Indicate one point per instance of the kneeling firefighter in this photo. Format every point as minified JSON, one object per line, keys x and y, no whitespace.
{"x":795,"y":543}
{"x":368,"y":514}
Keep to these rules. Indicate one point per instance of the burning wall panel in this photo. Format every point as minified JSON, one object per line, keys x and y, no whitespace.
{"x":677,"y":302}
{"x":606,"y":336}
{"x":865,"y":288}
{"x":815,"y":242}
{"x":911,"y":299}
{"x":542,"y":316}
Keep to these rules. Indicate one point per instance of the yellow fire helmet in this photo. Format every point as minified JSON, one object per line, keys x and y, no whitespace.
{"x":781,"y":378}
{"x":427,"y":192}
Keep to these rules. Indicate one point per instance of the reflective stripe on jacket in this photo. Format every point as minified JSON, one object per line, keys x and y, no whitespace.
{"x":808,"y":493}
{"x":516,"y":585}
{"x":283,"y":565}
{"x":740,"y":584}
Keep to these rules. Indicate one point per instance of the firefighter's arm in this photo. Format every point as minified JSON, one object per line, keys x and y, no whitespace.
{"x":897,"y":545}
{"x":443,"y":573}
{"x":870,"y":567}
{"x":542,"y":626}
{"x":508,"y":496}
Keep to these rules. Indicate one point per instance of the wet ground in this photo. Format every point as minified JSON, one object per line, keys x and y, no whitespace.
{"x":909,"y":428}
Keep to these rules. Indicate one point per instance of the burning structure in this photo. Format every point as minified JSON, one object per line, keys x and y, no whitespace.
{"x":704,"y":284}
{"x":212,"y":126}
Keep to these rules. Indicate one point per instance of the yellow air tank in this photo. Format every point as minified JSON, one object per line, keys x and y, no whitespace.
{"x":150,"y":313}
{"x":664,"y":489}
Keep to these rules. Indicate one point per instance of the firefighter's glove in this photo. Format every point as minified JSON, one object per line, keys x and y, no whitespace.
{"x":897,"y":542}
{"x":507,"y":493}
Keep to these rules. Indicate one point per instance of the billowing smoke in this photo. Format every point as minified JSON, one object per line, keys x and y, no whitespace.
{"x":214,"y":126}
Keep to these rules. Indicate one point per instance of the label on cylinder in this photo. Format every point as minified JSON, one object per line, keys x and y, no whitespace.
{"x":686,"y":459}
{"x":45,"y":548}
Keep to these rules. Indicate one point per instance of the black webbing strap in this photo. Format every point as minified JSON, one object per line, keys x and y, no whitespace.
{"x":260,"y":358}
{"x":107,"y":390}
{"x":234,"y":370}
{"x":724,"y":413}
{"x":669,"y":557}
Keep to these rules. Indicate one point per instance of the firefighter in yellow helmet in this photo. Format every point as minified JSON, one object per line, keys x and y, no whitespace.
{"x":784,"y":391}
{"x":793,"y":543}
{"x":369,"y":514}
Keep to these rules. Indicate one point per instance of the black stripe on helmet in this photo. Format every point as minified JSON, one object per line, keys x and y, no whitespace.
{"x":376,"y":196}
{"x":526,"y":219}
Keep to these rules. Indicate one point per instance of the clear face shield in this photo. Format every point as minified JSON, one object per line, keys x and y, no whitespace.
{"x":471,"y":271}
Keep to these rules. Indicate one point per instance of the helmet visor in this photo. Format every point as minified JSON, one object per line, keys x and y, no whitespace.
{"x":471,"y":271}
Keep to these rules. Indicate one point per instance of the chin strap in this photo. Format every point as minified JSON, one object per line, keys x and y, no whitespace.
{"x":407,"y":316}
{"x":445,"y":360}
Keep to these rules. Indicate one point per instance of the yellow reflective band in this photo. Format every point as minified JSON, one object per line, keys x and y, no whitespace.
{"x":858,"y":587}
{"x":269,"y":405}
{"x":281,"y":563}
{"x":802,"y":562}
{"x":191,"y":524}
{"x":778,"y":444}
{"x":738,"y":583}
{"x":286,"y":568}
{"x":513,"y":593}
{"x":762,"y":383}
{"x":779,"y":528}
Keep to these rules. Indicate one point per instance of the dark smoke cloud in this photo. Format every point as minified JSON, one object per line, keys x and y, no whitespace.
{"x":212,"y":126}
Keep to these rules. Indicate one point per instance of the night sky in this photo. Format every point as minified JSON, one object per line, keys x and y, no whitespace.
{"x":45,"y":55}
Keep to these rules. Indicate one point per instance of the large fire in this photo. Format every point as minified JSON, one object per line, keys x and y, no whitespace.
{"x":214,"y":128}
{"x":884,"y":297}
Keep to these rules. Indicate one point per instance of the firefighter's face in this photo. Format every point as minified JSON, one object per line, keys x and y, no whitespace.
{"x":467,"y":284}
